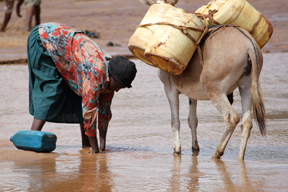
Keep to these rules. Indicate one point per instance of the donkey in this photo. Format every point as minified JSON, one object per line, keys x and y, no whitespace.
{"x":231,"y":59}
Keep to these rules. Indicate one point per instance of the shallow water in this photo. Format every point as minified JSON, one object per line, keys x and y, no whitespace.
{"x":139,"y":154}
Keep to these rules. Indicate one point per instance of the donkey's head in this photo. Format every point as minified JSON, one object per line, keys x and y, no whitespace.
{"x":151,"y":2}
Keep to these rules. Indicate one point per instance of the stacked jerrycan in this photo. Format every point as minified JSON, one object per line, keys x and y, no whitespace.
{"x":170,"y":49}
{"x":160,"y":40}
{"x":240,"y":13}
{"x":141,"y":37}
{"x":167,"y":37}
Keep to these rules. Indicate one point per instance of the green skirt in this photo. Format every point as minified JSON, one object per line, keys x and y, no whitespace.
{"x":50,"y":97}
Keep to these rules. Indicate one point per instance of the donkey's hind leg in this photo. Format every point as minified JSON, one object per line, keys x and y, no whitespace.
{"x":193,"y":123}
{"x":231,"y":119}
{"x":244,"y":85}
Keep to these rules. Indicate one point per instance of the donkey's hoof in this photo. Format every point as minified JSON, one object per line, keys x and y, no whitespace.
{"x":241,"y":158}
{"x":177,"y":150}
{"x":217,"y":155}
{"x":195,"y":151}
{"x":195,"y":148}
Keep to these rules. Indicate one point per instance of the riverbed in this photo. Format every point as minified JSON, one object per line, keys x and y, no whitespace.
{"x":139,"y":153}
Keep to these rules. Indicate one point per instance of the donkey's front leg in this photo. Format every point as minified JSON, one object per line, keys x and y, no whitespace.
{"x":173,"y":97}
{"x":193,"y":123}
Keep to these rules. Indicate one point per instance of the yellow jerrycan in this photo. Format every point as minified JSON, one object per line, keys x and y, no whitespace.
{"x":170,"y":49}
{"x":240,"y":13}
{"x":142,"y":35}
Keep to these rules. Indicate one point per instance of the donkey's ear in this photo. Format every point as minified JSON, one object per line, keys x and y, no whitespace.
{"x":151,"y":2}
{"x":148,"y":2}
{"x":172,"y":2}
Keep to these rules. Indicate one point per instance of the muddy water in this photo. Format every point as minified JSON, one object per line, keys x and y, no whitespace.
{"x":139,"y":143}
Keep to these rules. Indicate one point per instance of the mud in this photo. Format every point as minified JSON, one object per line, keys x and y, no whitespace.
{"x":139,"y":155}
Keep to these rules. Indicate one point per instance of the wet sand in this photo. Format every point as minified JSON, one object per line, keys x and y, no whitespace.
{"x":139,"y":155}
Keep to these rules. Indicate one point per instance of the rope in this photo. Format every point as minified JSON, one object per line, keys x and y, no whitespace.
{"x":208,"y":16}
{"x":184,"y":30}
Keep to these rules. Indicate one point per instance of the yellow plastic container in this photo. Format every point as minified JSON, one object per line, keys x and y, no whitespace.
{"x":240,"y":13}
{"x":139,"y":40}
{"x":170,"y":49}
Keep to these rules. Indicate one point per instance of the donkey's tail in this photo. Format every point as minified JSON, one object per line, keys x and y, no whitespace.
{"x":256,"y":95}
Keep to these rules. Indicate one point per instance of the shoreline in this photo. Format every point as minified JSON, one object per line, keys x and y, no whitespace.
{"x":127,"y":54}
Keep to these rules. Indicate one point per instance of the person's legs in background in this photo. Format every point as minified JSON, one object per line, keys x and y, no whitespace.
{"x":37,"y":14}
{"x":8,"y":12}
{"x":29,"y":14}
{"x":32,"y":9}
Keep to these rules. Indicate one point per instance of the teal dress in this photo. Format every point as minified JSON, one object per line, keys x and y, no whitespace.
{"x":50,"y":97}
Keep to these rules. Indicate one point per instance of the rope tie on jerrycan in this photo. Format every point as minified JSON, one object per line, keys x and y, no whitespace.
{"x":208,"y":16}
{"x":211,"y":13}
{"x":185,"y":28}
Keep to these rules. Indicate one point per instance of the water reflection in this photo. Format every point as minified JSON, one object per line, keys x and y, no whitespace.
{"x":187,"y":181}
{"x":175,"y":178}
{"x":243,"y":173}
{"x":34,"y":175}
{"x":229,"y":179}
{"x":193,"y":185}
{"x":225,"y":175}
{"x":94,"y":173}
{"x":42,"y":171}
{"x":66,"y":173}
{"x":230,"y":176}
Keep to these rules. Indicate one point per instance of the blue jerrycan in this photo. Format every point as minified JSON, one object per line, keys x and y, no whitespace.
{"x":38,"y":141}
